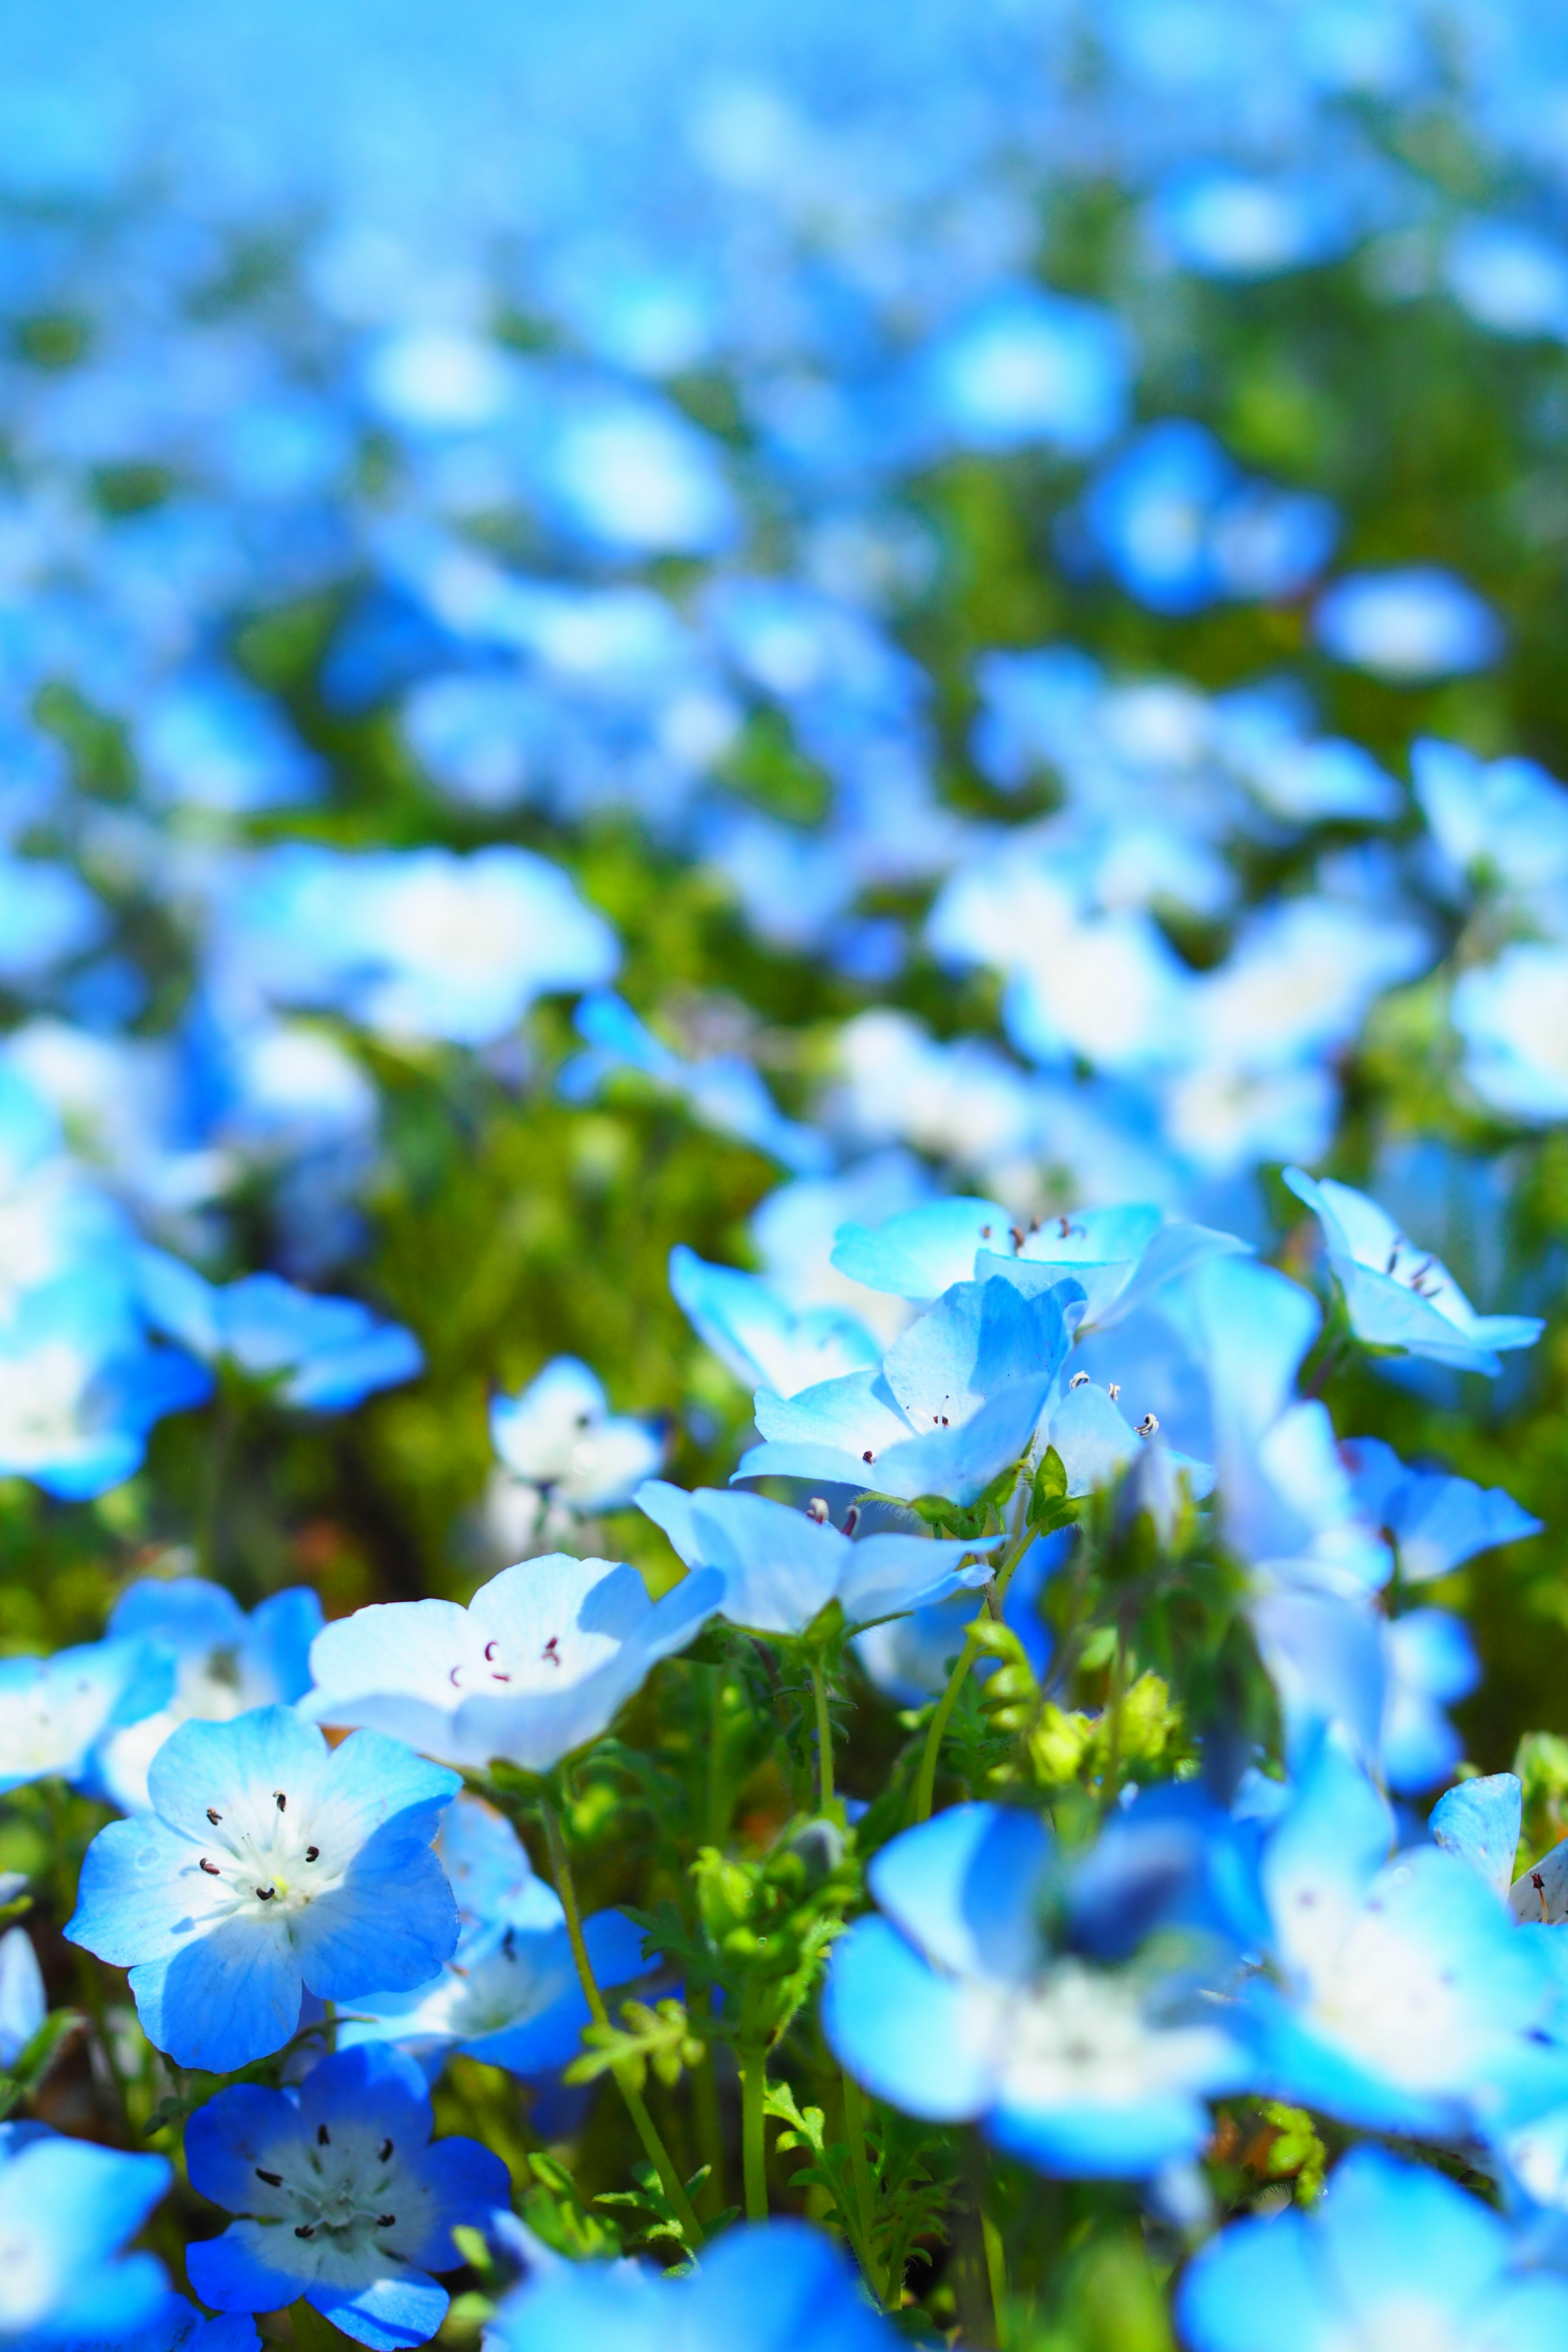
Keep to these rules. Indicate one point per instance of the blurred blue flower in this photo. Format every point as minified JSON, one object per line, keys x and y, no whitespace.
{"x":1407,"y":624}
{"x":561,"y":1440}
{"x":1225,"y":223}
{"x":323,"y":1355}
{"x":1512,"y":1014}
{"x":1509,"y":278}
{"x":753,"y":1331}
{"x":24,"y":2004}
{"x":55,"y":1712}
{"x":269,"y":1866}
{"x":1024,"y":366}
{"x":47,"y":917}
{"x":721,"y":1091}
{"x":68,"y":2208}
{"x":1436,"y":1521}
{"x":344,"y":2197}
{"x":209,"y":739}
{"x":1502,"y":820}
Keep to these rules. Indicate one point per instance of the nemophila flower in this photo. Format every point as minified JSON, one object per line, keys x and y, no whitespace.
{"x":67,"y":2208}
{"x":178,"y":2327}
{"x":207,"y":739}
{"x":1478,"y":1822}
{"x":753,"y":1330}
{"x":1405,"y":2001}
{"x":1502,"y":821}
{"x":269,"y":1866}
{"x":1393,"y":2255}
{"x":1408,"y":624}
{"x":536,"y":1665}
{"x":956,"y":1400}
{"x":23,"y":2002}
{"x":1430,"y":1663}
{"x":55,"y":1712}
{"x":1025,"y":366}
{"x":559,"y":1439}
{"x":911,"y":1657}
{"x":781,"y":1568}
{"x":325,"y":1354}
{"x":79,"y":1387}
{"x":1223,"y":223}
{"x":774,"y":2286}
{"x":721,"y":1090}
{"x":1509,"y":278}
{"x":224,"y":1664}
{"x":1397,"y":1295}
{"x":952,"y":2006}
{"x":1512,"y":1014}
{"x":344,"y":2197}
{"x":1436,"y":1521}
{"x":510,"y":1993}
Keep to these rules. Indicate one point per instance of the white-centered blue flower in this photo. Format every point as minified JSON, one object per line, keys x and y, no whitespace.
{"x":1399,"y":1296}
{"x":536,"y":1665}
{"x":559,"y":1439}
{"x":55,"y":1712}
{"x":343,"y":2197}
{"x":270,"y":1866}
{"x":754,"y":1331}
{"x":1512,"y":1014}
{"x":1407,"y":625}
{"x":324,"y":1354}
{"x":67,"y":2208}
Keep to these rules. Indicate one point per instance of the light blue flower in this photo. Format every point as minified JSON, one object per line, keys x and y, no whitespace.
{"x":55,"y":1712}
{"x":561,"y":1439}
{"x":1431,"y":1663}
{"x":24,"y":2003}
{"x":80,"y":1388}
{"x":320,"y":1354}
{"x":343,"y":2197}
{"x":1478,"y":1822}
{"x":1223,"y":223}
{"x":951,"y":2006}
{"x":774,"y":2286}
{"x":763,"y":1340}
{"x":1407,"y":625}
{"x":208,"y":738}
{"x":956,"y":1400}
{"x":1024,"y":366}
{"x":782,"y":1568}
{"x":1509,"y":278}
{"x":1436,"y":1521}
{"x":1396,"y":1295}
{"x":47,"y":915}
{"x":536,"y":1665}
{"x":723,"y":1091}
{"x":224,"y":1664}
{"x":66,"y":2209}
{"x":271,"y":1866}
{"x":1502,"y":820}
{"x":1512,"y":1014}
{"x":1395,"y":2254}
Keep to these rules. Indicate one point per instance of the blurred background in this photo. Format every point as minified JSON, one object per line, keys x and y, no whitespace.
{"x":664,"y":623}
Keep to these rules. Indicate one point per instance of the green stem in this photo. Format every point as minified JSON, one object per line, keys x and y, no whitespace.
{"x":753,"y":2148}
{"x":1112,"y":1778}
{"x":823,"y":1736}
{"x":718,"y":1791}
{"x":997,"y":2275}
{"x":705,"y":2105}
{"x":865,"y":2188}
{"x":925,"y":1781}
{"x":636,"y":2107}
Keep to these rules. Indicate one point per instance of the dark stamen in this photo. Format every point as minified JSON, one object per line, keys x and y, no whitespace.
{"x":282,"y":1801}
{"x":867,"y":1455}
{"x":311,"y":1852}
{"x":273,"y":2179}
{"x":211,"y":1868}
{"x":214,"y":1817}
{"x":265,"y":1894}
{"x":323,"y":2136}
{"x":305,"y":2229}
{"x":385,"y":2220}
{"x":384,"y":2151}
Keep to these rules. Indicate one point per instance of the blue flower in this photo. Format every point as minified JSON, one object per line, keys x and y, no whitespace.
{"x":48,"y":914}
{"x":1430,"y":1662}
{"x":1407,"y":2002}
{"x":951,"y":2007}
{"x":66,"y":2209}
{"x":1478,"y":1822}
{"x":55,"y":1712}
{"x":344,"y":2199}
{"x":79,"y":1387}
{"x":1399,"y":1296}
{"x":1223,"y":223}
{"x":1509,"y":278}
{"x":23,"y":2002}
{"x":224,"y":1664}
{"x":178,"y":2327}
{"x":956,"y":1400}
{"x":1024,"y":366}
{"x":752,"y":1328}
{"x":208,"y":738}
{"x":561,"y":1439}
{"x":1502,"y":821}
{"x":271,"y":1866}
{"x":1393,"y":2255}
{"x":536,"y":1665}
{"x":1436,"y":1521}
{"x":782,"y":1568}
{"x":776,"y":2286}
{"x":322,"y":1354}
{"x":1409,"y":624}
{"x":1512,"y":1014}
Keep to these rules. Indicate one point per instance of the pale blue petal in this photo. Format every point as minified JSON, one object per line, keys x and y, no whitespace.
{"x":1100,"y":2141}
{"x":965,"y":1887}
{"x":921,"y":1252}
{"x":1322,"y":1857}
{"x":1480,"y":1821}
{"x":391,"y":2314}
{"x":1261,"y":2287}
{"x":230,"y":1997}
{"x":959,"y":1464}
{"x":244,"y":2127}
{"x":902,"y":2029}
{"x":235,"y":2272}
{"x":23,"y":2002}
{"x":978,"y":1338}
{"x":217,"y":1764}
{"x":775,"y":2286}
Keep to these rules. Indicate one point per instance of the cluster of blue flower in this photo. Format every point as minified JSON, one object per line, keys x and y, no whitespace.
{"x":479,"y":509}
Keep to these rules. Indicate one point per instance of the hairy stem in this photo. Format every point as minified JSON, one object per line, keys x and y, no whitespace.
{"x":865,"y":2188}
{"x":823,"y":1736}
{"x":659,"y":2155}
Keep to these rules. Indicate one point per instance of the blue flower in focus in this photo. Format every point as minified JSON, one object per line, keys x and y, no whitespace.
{"x":56,"y":1712}
{"x":723,"y":1091}
{"x":536,"y":1665}
{"x":323,"y":1355}
{"x":225,"y":1665}
{"x":561,"y":1440}
{"x":1178,"y":526}
{"x":270,"y":1866}
{"x":775,"y":2287}
{"x":752,"y":1328}
{"x":1025,"y":366}
{"x":782,"y":1568}
{"x":957,"y":1399}
{"x":1394,"y":2255}
{"x":66,"y":2209}
{"x":1398,"y":1296}
{"x":1407,"y":625}
{"x":1512,"y":1014}
{"x":343,"y":2197}
{"x":951,"y":2006}
{"x":1436,"y":1521}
